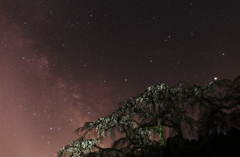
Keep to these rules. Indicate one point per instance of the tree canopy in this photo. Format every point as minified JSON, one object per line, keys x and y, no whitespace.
{"x":162,"y":119}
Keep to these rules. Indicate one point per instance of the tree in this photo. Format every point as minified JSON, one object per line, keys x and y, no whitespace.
{"x":160,"y":119}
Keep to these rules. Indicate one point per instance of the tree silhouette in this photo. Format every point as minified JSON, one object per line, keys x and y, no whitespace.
{"x":160,"y":119}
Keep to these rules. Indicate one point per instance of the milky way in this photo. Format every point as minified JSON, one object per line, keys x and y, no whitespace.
{"x":63,"y":63}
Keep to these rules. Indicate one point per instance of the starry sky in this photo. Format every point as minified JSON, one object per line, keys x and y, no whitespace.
{"x":65,"y":62}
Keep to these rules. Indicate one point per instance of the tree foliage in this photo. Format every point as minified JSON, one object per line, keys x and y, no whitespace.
{"x":143,"y":125}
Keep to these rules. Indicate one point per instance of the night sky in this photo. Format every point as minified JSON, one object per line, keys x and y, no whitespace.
{"x":63,"y":63}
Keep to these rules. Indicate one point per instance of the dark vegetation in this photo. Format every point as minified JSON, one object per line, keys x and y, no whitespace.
{"x":167,"y":121}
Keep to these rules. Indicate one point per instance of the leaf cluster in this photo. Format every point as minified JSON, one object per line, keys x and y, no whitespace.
{"x":143,"y":124}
